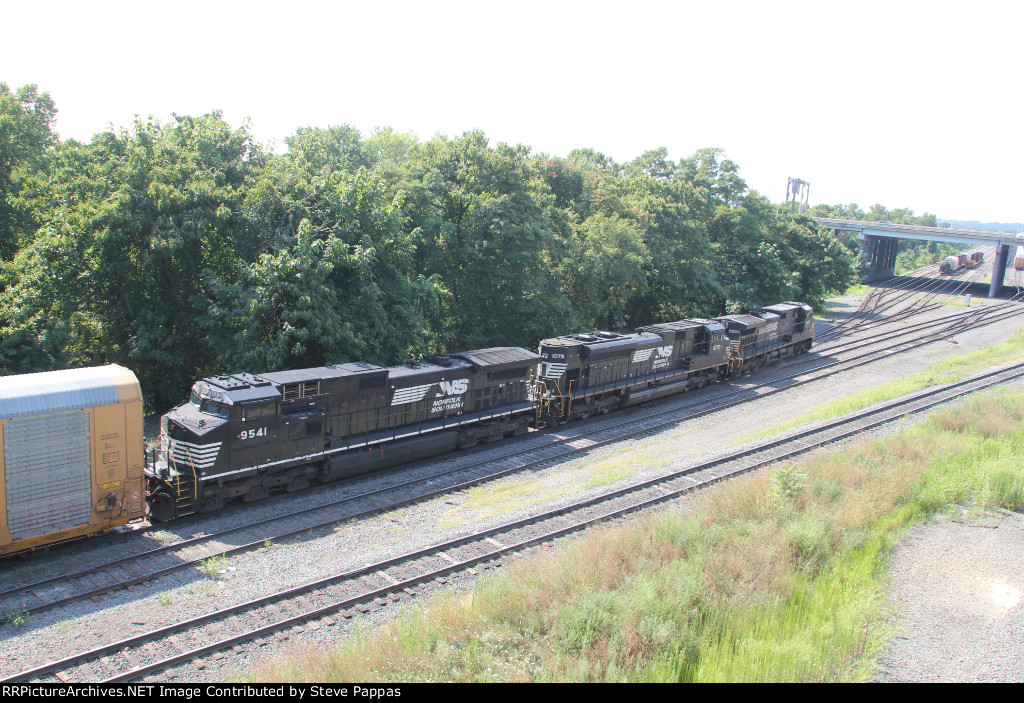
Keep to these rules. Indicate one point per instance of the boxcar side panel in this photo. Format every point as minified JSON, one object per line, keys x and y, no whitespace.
{"x":48,"y":473}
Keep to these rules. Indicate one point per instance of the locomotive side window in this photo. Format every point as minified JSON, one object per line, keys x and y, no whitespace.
{"x":253,"y":411}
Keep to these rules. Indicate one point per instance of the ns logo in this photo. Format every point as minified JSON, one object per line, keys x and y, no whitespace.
{"x":456,"y":387}
{"x":664,"y":352}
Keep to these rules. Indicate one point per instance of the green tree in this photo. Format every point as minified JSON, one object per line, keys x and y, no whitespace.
{"x":336,"y":148}
{"x":344,"y":291}
{"x":838,"y":212}
{"x":26,"y":141}
{"x":680,"y":278}
{"x":707,"y":170}
{"x":765,"y":254}
{"x":486,"y":233}
{"x":606,"y":271}
{"x":141,"y":226}
{"x":654,"y":163}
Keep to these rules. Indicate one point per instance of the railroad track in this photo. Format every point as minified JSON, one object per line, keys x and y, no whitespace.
{"x":918,"y":287}
{"x":320,"y":603}
{"x":880,"y":298}
{"x":959,"y":319}
{"x":42,"y":596}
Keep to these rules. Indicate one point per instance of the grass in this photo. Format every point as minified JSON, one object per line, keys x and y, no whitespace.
{"x":164,"y":537}
{"x":488,"y":501}
{"x":17,"y":620}
{"x":203,"y":587}
{"x":937,"y":373}
{"x":24,"y":573}
{"x":958,"y":301}
{"x":612,"y":469}
{"x":212,"y":566}
{"x":779,"y":577}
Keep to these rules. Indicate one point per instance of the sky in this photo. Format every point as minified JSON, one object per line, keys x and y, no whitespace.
{"x":907,"y":104}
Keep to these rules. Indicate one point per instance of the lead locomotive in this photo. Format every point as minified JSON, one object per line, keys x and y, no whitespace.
{"x":244,"y":436}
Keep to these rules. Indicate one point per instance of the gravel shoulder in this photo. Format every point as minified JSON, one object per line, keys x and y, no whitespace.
{"x":959,"y":590}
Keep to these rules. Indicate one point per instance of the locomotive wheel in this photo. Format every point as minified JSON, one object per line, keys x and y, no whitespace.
{"x":211,"y":503}
{"x":255,"y":493}
{"x":299,"y":483}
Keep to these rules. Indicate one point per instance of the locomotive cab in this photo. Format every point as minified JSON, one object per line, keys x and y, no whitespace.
{"x":230,"y":423}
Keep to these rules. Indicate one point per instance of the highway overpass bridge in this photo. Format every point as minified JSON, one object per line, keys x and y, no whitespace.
{"x":878,"y":244}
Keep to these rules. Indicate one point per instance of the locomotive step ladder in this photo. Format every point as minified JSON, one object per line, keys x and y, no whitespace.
{"x":185,"y":501}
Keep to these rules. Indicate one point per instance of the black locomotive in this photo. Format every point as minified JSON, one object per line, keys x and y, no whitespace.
{"x":583,"y":374}
{"x":245,"y":436}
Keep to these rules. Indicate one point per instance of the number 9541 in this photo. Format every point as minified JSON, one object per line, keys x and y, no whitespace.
{"x":252,"y":434}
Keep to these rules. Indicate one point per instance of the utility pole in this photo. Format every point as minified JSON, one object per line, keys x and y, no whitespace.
{"x":796,"y":194}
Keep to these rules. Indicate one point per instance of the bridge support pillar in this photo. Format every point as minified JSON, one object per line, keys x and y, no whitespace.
{"x":879,"y":257}
{"x":999,"y":270}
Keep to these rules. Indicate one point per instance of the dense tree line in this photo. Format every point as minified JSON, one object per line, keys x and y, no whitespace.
{"x":185,"y":248}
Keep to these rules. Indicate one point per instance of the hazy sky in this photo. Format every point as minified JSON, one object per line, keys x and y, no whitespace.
{"x":908,"y":104}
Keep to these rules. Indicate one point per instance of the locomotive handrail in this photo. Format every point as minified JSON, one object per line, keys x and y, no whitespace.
{"x":195,"y":479}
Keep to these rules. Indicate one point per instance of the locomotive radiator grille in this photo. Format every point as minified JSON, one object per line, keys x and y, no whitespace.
{"x":555,"y":371}
{"x":196,"y":456}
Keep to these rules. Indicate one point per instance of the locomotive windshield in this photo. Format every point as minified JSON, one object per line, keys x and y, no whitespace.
{"x":205,"y":405}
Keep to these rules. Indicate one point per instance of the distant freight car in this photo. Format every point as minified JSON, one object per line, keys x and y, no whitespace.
{"x":949,"y":265}
{"x":72,"y":459}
